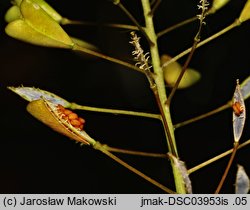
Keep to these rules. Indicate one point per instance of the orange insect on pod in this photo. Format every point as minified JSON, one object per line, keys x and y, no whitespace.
{"x":238,"y":108}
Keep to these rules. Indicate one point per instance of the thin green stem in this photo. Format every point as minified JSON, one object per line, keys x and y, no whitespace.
{"x":223,"y":31}
{"x":137,"y":153}
{"x":184,"y":68}
{"x":236,"y":145}
{"x":154,"y":5}
{"x":200,"y":117}
{"x":114,"y":111}
{"x":66,"y":21}
{"x":218,"y":157}
{"x":131,"y":17}
{"x":196,"y":41}
{"x":171,"y":28}
{"x":105,"y":57}
{"x":161,"y":93}
{"x":101,"y":148}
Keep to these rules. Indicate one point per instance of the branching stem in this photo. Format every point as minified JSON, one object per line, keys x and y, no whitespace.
{"x":131,"y":17}
{"x":200,"y":117}
{"x":223,"y":31}
{"x":114,"y":111}
{"x":201,"y":17}
{"x":137,"y":153}
{"x":236,"y":145}
{"x":105,"y":57}
{"x":101,"y":148}
{"x":218,"y":157}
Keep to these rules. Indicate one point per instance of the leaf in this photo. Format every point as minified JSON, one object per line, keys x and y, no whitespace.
{"x":32,"y":94}
{"x":49,"y":114}
{"x":245,"y":88}
{"x":172,"y":71}
{"x":245,"y":13}
{"x":180,"y":165}
{"x":12,"y":14}
{"x":239,"y":113}
{"x":242,"y":185}
{"x":38,"y":28}
{"x":217,"y":4}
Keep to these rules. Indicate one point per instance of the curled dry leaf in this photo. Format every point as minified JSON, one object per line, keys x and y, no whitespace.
{"x":54,"y":116}
{"x":32,"y":94}
{"x":239,"y":113}
{"x":173,"y":70}
{"x":242,"y":184}
{"x":245,"y":13}
{"x":181,"y":167}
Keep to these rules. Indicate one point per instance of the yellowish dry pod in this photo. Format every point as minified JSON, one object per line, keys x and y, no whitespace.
{"x":245,"y":13}
{"x":50,"y":114}
{"x":173,"y":70}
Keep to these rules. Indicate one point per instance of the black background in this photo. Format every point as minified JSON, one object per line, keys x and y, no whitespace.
{"x":34,"y":159}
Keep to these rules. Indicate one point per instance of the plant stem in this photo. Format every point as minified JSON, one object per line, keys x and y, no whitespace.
{"x":196,"y":41}
{"x":154,"y":5}
{"x":101,"y":148}
{"x":223,"y":31}
{"x":105,"y":57}
{"x":171,"y":28}
{"x":161,"y":94}
{"x":66,"y":21}
{"x":218,"y":157}
{"x":219,"y":109}
{"x":114,"y":111}
{"x":181,"y":74}
{"x":236,"y":145}
{"x":131,"y":17}
{"x":138,"y":153}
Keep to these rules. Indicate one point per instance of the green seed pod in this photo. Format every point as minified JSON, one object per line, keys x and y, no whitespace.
{"x":12,"y":14}
{"x":49,"y":10}
{"x":38,"y":28}
{"x":46,"y":7}
{"x":18,"y":2}
{"x":172,"y":71}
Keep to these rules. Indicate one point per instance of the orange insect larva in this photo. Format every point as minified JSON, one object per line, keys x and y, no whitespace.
{"x":238,"y":108}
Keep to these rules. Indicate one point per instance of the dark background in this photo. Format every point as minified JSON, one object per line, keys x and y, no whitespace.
{"x":35,"y":159}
